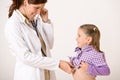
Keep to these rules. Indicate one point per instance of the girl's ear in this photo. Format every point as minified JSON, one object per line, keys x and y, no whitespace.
{"x":89,"y":40}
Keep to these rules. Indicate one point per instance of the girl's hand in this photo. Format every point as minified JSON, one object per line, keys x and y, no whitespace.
{"x":44,"y":15}
{"x":82,"y":72}
{"x":84,"y":66}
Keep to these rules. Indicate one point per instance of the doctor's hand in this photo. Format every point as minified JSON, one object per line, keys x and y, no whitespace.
{"x":44,"y":15}
{"x":65,"y":66}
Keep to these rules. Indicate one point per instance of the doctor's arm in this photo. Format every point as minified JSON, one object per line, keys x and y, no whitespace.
{"x":47,"y":27}
{"x":49,"y":33}
{"x":22,"y":52}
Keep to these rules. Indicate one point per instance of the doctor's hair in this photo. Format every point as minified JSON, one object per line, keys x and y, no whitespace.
{"x":92,"y":31}
{"x":17,"y":3}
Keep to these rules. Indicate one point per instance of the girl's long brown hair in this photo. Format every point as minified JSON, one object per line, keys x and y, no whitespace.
{"x":92,"y":31}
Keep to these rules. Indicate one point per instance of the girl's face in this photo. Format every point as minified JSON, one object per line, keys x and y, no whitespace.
{"x":82,"y":39}
{"x":31,"y":10}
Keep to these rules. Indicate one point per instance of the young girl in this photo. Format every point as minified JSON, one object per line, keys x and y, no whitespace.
{"x":90,"y":60}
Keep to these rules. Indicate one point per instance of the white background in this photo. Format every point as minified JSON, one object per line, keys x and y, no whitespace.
{"x":67,"y":16}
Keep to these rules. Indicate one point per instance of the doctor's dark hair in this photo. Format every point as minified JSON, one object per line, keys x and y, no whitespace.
{"x":17,"y":3}
{"x":92,"y":31}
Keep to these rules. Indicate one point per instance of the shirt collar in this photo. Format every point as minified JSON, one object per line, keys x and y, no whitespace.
{"x":23,"y":18}
{"x":85,"y":48}
{"x":21,"y":15}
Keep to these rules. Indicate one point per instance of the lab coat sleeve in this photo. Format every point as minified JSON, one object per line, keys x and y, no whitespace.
{"x":20,"y":49}
{"x":49,"y":33}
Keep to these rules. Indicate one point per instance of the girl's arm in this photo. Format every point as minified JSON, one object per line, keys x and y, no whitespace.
{"x":98,"y":66}
{"x":98,"y":70}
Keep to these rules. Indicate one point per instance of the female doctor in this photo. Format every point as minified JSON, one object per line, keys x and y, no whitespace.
{"x":29,"y":33}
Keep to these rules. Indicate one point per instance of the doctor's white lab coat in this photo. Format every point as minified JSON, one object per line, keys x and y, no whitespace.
{"x":26,"y":47}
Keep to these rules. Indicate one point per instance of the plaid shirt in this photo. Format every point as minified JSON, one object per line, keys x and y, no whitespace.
{"x":95,"y":59}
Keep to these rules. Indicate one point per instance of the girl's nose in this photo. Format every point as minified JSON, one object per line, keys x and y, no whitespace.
{"x":76,"y":39}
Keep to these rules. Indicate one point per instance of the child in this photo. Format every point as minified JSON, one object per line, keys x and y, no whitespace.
{"x":90,"y":60}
